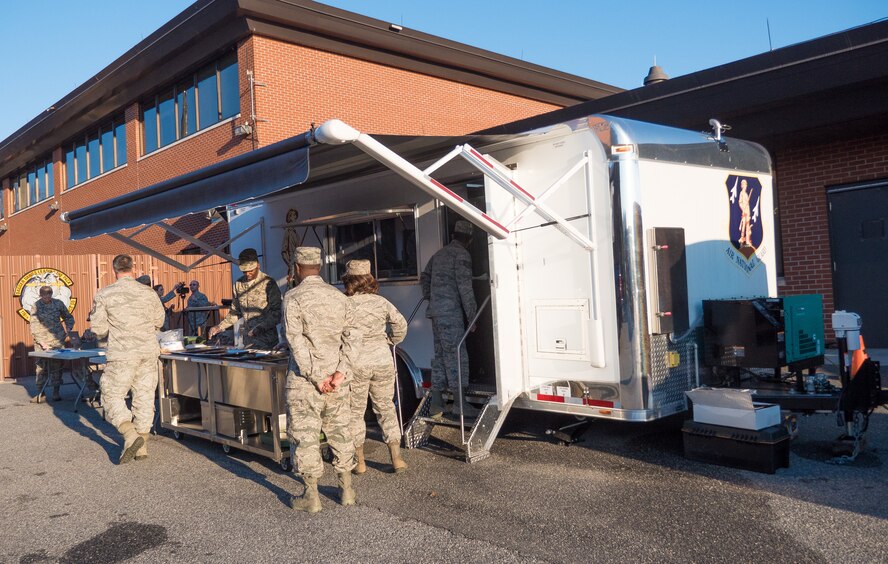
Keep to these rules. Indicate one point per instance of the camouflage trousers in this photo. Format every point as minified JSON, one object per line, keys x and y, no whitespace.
{"x":379,"y":383}
{"x":121,"y":377}
{"x":264,"y":340}
{"x":308,"y":413}
{"x":53,"y":368}
{"x":447,"y":333}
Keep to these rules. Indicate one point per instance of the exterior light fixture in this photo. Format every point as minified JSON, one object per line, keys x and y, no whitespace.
{"x":54,"y":205}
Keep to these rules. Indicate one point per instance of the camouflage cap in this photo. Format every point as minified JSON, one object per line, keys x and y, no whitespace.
{"x":248,"y":260}
{"x":463,"y":227}
{"x":357,"y":267}
{"x":309,"y":256}
{"x":144,"y":279}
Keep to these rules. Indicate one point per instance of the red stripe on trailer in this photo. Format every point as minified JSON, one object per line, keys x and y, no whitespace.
{"x":445,"y":188}
{"x":547,"y":397}
{"x":495,"y":222}
{"x":598,"y":403}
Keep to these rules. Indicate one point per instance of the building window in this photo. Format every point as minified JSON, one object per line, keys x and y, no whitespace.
{"x":195,"y":102}
{"x":32,"y":184}
{"x":95,"y":152}
{"x":389,"y":243}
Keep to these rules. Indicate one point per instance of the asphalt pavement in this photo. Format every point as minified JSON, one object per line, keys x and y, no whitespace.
{"x":623,"y":492}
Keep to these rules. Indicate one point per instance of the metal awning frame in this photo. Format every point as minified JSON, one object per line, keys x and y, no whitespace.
{"x":211,"y":250}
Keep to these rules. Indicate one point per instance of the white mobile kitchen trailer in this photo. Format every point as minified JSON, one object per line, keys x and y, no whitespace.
{"x":597,"y":241}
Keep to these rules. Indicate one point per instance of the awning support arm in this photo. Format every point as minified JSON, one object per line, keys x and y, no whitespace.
{"x":211,"y":251}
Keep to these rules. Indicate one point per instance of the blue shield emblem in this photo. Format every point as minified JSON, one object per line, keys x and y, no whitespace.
{"x":744,"y":202}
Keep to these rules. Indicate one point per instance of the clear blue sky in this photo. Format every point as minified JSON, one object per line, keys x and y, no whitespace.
{"x":52,"y":46}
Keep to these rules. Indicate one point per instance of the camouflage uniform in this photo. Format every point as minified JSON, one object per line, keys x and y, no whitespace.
{"x":197,"y":319}
{"x":447,"y":284}
{"x":258,"y":301}
{"x":46,"y":328}
{"x":319,"y":323}
{"x":375,"y":371}
{"x":129,"y":313}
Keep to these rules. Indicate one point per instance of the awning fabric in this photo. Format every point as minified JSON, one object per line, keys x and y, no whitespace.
{"x":239,"y":179}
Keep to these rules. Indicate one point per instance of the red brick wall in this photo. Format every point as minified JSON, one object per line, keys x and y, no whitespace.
{"x":305,"y":85}
{"x":302,"y":86}
{"x":804,"y":174}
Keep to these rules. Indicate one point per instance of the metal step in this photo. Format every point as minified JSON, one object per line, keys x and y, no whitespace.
{"x":482,"y":430}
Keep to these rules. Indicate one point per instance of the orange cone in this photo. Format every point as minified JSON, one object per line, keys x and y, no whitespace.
{"x":857,"y":358}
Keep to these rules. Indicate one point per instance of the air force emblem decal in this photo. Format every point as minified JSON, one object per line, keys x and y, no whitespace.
{"x":745,"y":232}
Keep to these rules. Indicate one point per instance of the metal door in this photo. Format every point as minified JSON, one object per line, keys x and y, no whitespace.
{"x":857,"y":233}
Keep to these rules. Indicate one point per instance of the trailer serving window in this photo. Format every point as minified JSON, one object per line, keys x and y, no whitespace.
{"x":387,"y":240}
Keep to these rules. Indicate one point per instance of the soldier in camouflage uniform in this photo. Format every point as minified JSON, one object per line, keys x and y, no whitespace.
{"x":129,"y":314}
{"x":447,"y":284}
{"x":319,"y":322}
{"x":257,"y":299}
{"x":47,"y":316}
{"x":382,"y":326}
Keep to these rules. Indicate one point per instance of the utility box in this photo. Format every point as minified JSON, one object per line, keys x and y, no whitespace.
{"x":765,"y":450}
{"x":729,"y":407}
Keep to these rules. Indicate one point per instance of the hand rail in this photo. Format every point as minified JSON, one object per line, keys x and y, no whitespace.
{"x":462,"y":421}
{"x":395,"y":360}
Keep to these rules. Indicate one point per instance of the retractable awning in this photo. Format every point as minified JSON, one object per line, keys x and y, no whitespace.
{"x":235,"y":180}
{"x":281,"y":166}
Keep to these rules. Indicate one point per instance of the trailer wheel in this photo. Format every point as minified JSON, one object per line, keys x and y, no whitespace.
{"x":407,"y":398}
{"x":226,"y":448}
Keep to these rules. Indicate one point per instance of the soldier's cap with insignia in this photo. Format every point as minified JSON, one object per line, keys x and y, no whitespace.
{"x":309,"y":256}
{"x":463,"y":227}
{"x":357,"y":267}
{"x":144,"y":279}
{"x":248,"y":260}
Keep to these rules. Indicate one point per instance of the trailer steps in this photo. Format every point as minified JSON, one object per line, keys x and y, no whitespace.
{"x":482,"y":430}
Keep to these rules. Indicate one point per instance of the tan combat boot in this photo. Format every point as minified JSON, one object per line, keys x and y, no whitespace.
{"x":398,"y":464}
{"x":132,"y":441}
{"x":38,"y":398}
{"x":347,"y":493}
{"x":142,"y":453}
{"x":310,"y":501}
{"x":361,"y":465}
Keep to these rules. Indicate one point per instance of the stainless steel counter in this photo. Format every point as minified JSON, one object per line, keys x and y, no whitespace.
{"x":236,"y":399}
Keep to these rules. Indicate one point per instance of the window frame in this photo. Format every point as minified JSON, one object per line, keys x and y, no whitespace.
{"x":32,"y":184}
{"x":331,"y":223}
{"x":175,"y":88}
{"x":84,"y":163}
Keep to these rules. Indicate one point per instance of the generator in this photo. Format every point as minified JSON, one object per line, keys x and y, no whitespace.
{"x":764,"y":332}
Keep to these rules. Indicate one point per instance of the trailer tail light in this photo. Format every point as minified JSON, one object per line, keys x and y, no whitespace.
{"x":598,"y":403}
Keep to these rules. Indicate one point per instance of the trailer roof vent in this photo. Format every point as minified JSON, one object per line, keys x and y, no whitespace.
{"x":655,"y":75}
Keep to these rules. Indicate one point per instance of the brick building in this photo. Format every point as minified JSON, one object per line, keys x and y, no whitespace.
{"x":821,"y":109}
{"x":180,"y":100}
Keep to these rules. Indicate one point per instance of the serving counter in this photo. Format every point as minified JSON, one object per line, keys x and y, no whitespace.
{"x":229,"y":396}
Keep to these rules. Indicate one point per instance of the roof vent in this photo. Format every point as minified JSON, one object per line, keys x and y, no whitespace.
{"x":655,"y":75}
